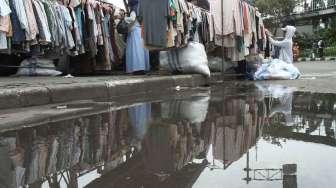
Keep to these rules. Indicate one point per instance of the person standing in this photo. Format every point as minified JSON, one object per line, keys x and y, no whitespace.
{"x":320,"y":45}
{"x":137,"y":57}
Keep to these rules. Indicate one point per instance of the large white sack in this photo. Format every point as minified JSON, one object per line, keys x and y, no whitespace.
{"x":189,"y":60}
{"x":37,"y":67}
{"x":277,"y":69}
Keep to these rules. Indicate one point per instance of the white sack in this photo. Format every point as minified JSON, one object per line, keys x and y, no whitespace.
{"x":277,"y":69}
{"x":37,"y":67}
{"x":189,"y":60}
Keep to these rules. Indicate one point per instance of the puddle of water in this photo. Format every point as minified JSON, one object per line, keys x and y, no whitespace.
{"x":258,"y":137}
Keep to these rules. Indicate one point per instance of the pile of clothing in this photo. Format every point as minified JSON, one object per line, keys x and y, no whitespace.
{"x":70,"y":27}
{"x":172,"y":23}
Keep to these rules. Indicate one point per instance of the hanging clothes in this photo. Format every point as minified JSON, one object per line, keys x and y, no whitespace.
{"x":18,"y":31}
{"x":231,"y":17}
{"x":42,"y":22}
{"x":4,"y":23}
{"x":243,"y":34}
{"x":32,"y":30}
{"x":155,"y":14}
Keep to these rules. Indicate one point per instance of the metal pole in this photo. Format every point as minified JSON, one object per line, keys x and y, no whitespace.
{"x":222,"y":37}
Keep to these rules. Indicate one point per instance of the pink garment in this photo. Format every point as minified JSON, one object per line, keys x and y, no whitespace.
{"x":231,"y":16}
{"x":5,"y":24}
{"x":246,"y":18}
{"x":32,"y":25}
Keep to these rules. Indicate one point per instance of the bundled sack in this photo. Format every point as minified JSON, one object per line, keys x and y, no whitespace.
{"x":37,"y":67}
{"x":277,"y":69}
{"x":189,"y":60}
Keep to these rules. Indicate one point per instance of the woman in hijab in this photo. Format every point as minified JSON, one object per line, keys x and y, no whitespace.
{"x":286,"y":45}
{"x":283,"y":67}
{"x":137,"y":57}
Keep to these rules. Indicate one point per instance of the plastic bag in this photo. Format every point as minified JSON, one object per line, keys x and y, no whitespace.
{"x":277,"y":70}
{"x":189,"y":60}
{"x":37,"y":67}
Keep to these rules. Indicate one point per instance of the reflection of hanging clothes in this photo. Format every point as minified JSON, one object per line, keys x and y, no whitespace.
{"x":52,"y":158}
{"x":140,"y":116}
{"x":159,"y":148}
{"x":6,"y":175}
{"x":37,"y":168}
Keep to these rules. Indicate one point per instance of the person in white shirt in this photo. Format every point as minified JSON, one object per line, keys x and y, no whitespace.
{"x":286,"y":45}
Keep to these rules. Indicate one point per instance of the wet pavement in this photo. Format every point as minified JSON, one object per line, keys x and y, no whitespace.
{"x":250,"y":135}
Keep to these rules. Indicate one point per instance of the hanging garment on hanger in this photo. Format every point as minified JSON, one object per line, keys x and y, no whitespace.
{"x":42,"y":22}
{"x":154,"y":14}
{"x":4,"y":24}
{"x":18,"y":32}
{"x":231,"y":16}
{"x":32,"y":25}
{"x":21,"y":15}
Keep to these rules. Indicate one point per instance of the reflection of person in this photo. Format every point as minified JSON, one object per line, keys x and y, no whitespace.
{"x":140,"y":116}
{"x":283,"y":96}
{"x":286,"y":45}
{"x":137,"y":57}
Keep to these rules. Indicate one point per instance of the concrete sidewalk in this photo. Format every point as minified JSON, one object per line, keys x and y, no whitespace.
{"x":33,"y":91}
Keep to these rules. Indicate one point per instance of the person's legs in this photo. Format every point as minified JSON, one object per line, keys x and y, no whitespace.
{"x":320,"y":52}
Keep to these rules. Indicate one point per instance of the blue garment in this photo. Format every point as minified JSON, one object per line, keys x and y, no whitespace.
{"x":140,"y":116}
{"x":106,"y":33}
{"x":132,"y":3}
{"x":19,"y":35}
{"x":80,"y":21}
{"x":137,"y":57}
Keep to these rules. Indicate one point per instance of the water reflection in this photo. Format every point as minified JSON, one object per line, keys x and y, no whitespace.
{"x":209,"y":139}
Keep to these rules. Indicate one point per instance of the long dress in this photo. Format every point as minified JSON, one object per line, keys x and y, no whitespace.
{"x":137,"y":57}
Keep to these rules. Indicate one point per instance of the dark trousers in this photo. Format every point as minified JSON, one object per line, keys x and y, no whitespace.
{"x":321,"y":52}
